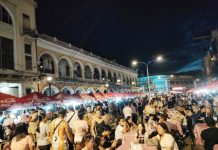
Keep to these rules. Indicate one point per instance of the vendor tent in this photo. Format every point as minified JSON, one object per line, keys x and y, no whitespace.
{"x":7,"y":101}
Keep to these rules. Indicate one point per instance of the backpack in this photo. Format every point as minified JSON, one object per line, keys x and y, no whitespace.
{"x":55,"y":138}
{"x":179,"y":139}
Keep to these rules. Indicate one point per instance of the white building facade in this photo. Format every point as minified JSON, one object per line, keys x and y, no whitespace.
{"x":27,"y":59}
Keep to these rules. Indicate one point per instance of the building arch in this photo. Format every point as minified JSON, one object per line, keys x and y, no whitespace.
{"x":119,"y":78}
{"x":46,"y":90}
{"x":124,"y":79}
{"x":98,"y":91}
{"x":104,"y":75}
{"x":80,"y":90}
{"x":105,"y":91}
{"x":67,"y":90}
{"x":90,"y":90}
{"x":97,"y":73}
{"x":130,"y":81}
{"x":88,"y":71}
{"x":49,"y":62}
{"x":64,"y":67}
{"x":78,"y":69}
{"x":127,"y":81}
{"x":115,"y":77}
{"x":110,"y":76}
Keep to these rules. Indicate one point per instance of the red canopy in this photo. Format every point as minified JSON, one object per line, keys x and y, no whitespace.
{"x":212,"y":85}
{"x":105,"y":95}
{"x":119,"y":95}
{"x":97,"y":96}
{"x":37,"y":98}
{"x":83,"y":97}
{"x":110,"y":95}
{"x":62,"y":96}
{"x":8,"y":100}
{"x":209,"y":86}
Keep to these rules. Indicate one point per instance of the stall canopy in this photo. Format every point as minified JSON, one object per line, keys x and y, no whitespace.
{"x":62,"y":96}
{"x":110,"y":95}
{"x":209,"y":86}
{"x":97,"y":96}
{"x":7,"y":101}
{"x":119,"y":95}
{"x":83,"y":97}
{"x":105,"y":95}
{"x":68,"y":99}
{"x":37,"y":98}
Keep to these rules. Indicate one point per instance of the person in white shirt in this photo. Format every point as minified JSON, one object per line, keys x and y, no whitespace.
{"x":149,"y":109}
{"x":8,"y":121}
{"x":71,"y":117}
{"x":80,"y":128}
{"x":127,"y":111}
{"x":120,"y":130}
{"x":166,"y":140}
{"x":43,"y":133}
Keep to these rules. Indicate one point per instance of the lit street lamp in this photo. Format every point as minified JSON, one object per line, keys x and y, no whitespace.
{"x":49,"y":79}
{"x":196,"y":82}
{"x":158,"y":59}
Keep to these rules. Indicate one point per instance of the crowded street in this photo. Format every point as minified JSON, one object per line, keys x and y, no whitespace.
{"x":130,"y":120}
{"x":108,"y":75}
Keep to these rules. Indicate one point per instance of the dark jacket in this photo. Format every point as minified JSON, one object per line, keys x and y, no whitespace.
{"x":210,"y":137}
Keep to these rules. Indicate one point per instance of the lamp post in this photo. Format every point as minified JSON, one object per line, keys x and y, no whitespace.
{"x":196,"y":82}
{"x":49,"y":79}
{"x":134,"y":63}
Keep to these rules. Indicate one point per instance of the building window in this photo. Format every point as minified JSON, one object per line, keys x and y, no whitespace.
{"x":28,"y":56}
{"x":26,"y":21}
{"x":28,"y":91}
{"x":4,"y":16}
{"x":6,"y":53}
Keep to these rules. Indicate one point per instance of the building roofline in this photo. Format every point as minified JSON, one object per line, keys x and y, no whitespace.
{"x":80,"y":50}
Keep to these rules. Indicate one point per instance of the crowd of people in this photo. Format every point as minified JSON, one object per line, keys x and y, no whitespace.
{"x":102,"y":125}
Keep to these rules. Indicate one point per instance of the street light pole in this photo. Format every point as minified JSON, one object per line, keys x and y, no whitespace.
{"x":147,"y":69}
{"x":148,"y":79}
{"x":49,"y":86}
{"x":49,"y":79}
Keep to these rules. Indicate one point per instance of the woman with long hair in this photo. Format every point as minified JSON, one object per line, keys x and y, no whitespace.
{"x":140,"y":133}
{"x":88,"y":142}
{"x":22,"y":141}
{"x":166,"y":140}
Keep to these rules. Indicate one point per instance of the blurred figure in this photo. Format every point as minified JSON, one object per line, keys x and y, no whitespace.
{"x":60,"y":132}
{"x":22,"y":141}
{"x":43,"y":133}
{"x":210,"y":135}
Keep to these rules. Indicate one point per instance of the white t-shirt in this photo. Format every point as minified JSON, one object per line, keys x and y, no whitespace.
{"x":119,"y":132}
{"x":42,"y":137}
{"x":68,"y":116}
{"x":80,"y":128}
{"x":8,"y":121}
{"x":167,"y":141}
{"x":127,"y":111}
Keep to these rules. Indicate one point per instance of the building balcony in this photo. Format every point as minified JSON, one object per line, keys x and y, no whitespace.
{"x":89,"y":80}
{"x":78,"y":79}
{"x":30,"y":32}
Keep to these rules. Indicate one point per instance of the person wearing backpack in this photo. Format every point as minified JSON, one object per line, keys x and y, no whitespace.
{"x":60,"y":132}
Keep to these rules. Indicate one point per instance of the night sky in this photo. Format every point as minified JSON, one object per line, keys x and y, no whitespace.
{"x":124,"y":30}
